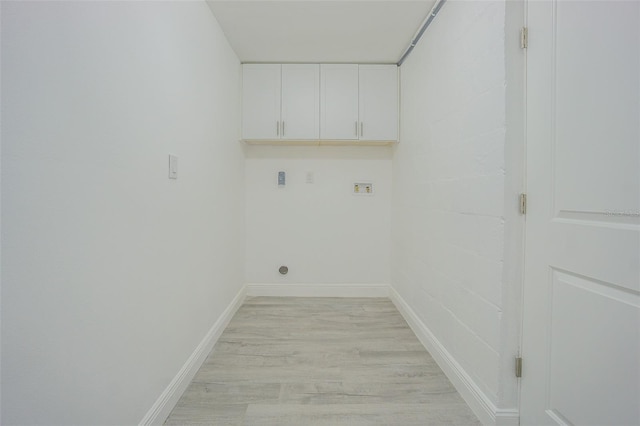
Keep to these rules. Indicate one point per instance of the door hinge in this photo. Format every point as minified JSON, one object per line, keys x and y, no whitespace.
{"x":518,"y":367}
{"x":524,"y":38}
{"x":523,"y":203}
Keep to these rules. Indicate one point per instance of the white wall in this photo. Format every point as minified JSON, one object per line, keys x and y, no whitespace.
{"x":454,"y":208}
{"x":112,"y":273}
{"x":321,"y":231}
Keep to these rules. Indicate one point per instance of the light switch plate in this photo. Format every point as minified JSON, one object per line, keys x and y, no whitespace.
{"x":173,"y":167}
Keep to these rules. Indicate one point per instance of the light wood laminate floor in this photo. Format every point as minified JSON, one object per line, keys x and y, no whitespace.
{"x":320,"y":361}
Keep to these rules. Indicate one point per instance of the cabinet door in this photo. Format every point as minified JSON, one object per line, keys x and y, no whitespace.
{"x":261,"y":101}
{"x":378,"y":102}
{"x":300,"y":101}
{"x":339,"y":102}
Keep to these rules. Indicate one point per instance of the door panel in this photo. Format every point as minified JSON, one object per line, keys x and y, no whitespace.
{"x":260,"y":101}
{"x":378,"y":102}
{"x":587,"y":318}
{"x":596,"y":105}
{"x":300,"y":101}
{"x":581,"y":319}
{"x":339,"y":101}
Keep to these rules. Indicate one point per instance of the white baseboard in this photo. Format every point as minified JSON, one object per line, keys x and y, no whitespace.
{"x":507,"y":417}
{"x":477,"y":400}
{"x":169,"y":398}
{"x":318,"y":290}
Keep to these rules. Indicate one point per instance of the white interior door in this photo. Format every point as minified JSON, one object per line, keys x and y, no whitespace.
{"x":581,"y":319}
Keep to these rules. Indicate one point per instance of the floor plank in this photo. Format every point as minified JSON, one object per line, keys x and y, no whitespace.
{"x":320,"y":361}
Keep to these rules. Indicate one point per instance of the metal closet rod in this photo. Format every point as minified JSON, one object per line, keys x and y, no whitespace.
{"x":434,"y":11}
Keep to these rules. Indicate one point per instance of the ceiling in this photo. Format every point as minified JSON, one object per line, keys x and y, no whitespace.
{"x":364,"y":31}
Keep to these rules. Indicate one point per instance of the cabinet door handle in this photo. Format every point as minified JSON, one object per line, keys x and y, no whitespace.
{"x":282,"y":127}
{"x":356,"y":129}
{"x":361,"y":129}
{"x":277,"y":128}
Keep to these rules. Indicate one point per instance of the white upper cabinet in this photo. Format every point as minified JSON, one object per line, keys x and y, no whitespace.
{"x":339,"y":102}
{"x":359,"y":102}
{"x":312,"y":102}
{"x":300,"y":101}
{"x":280,"y":101}
{"x":378,"y":110}
{"x":261,"y":95}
